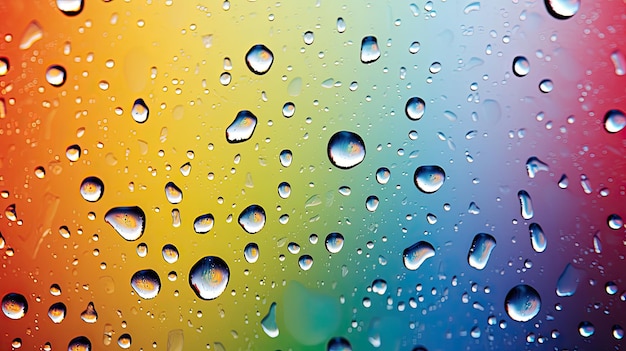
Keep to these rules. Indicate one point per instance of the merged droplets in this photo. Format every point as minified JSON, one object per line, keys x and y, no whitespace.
{"x":209,"y":277}
{"x":305,"y":262}
{"x":79,"y":343}
{"x":562,"y":9}
{"x":146,"y":283}
{"x":338,"y":344}
{"x":334,"y":242}
{"x":140,"y":111}
{"x":203,"y":224}
{"x":379,"y":286}
{"x":252,"y":219}
{"x":70,"y":7}
{"x":346,"y":149}
{"x":370,"y":51}
{"x":480,"y":251}
{"x":614,"y":121}
{"x":129,"y":222}
{"x":522,"y":303}
{"x":521,"y":66}
{"x":14,"y":305}
{"x":284,"y":190}
{"x":91,"y":189}
{"x":526,"y":205}
{"x":429,"y":179}
{"x":259,"y":59}
{"x":251,"y":252}
{"x":57,"y":312}
{"x":268,"y":323}
{"x":371,"y":203}
{"x":242,"y":128}
{"x":173,"y":193}
{"x":56,"y":75}
{"x":415,"y":108}
{"x":415,"y":255}
{"x":537,"y":238}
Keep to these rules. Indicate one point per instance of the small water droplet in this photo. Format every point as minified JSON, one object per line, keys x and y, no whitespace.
{"x":334,"y":242}
{"x":173,"y":193}
{"x":209,"y":277}
{"x":268,"y":323}
{"x":521,"y":66}
{"x":285,"y":158}
{"x":415,"y":255}
{"x":371,"y":203}
{"x":338,"y":344}
{"x":586,"y":329}
{"x":614,"y":121}
{"x":92,"y":189}
{"x":522,"y":303}
{"x":252,"y":219}
{"x":73,"y":152}
{"x":14,"y":305}
{"x":568,"y":281}
{"x":305,"y":262}
{"x":546,"y":86}
{"x":562,"y":9}
{"x":415,"y":108}
{"x":140,"y":111}
{"x":480,"y":251}
{"x":203,"y":224}
{"x":70,"y":7}
{"x":242,"y":128}
{"x":129,"y":222}
{"x":370,"y":51}
{"x":57,"y":312}
{"x":146,"y":283}
{"x":526,"y":205}
{"x":251,"y":252}
{"x":89,"y":315}
{"x":170,"y":253}
{"x":79,"y":343}
{"x":534,"y":166}
{"x":429,"y":179}
{"x":259,"y":59}
{"x":537,"y":238}
{"x":56,"y":75}
{"x":346,"y":149}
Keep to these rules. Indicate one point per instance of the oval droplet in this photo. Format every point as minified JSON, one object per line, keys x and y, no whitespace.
{"x":79,"y":343}
{"x":480,"y":251}
{"x":615,"y":222}
{"x":14,"y":305}
{"x":586,"y":329}
{"x":614,"y":121}
{"x":618,"y":332}
{"x":346,"y":149}
{"x":521,"y":66}
{"x":415,"y":108}
{"x":526,"y":205}
{"x":370,"y":51}
{"x":334,"y":242}
{"x":57,"y":312}
{"x":170,"y":253}
{"x":522,"y":303}
{"x":546,"y":86}
{"x":203,"y":224}
{"x":289,"y":109}
{"x":251,"y":252}
{"x":268,"y":323}
{"x":285,"y":157}
{"x":371,"y":203}
{"x":415,"y":255}
{"x":124,"y":341}
{"x":382,"y":175}
{"x":242,"y":128}
{"x":284,"y":190}
{"x":129,"y":222}
{"x":252,"y":219}
{"x":305,"y":262}
{"x":537,"y":238}
{"x":259,"y":59}
{"x":562,"y":9}
{"x":56,"y":75}
{"x":173,"y":193}
{"x":140,"y":111}
{"x":429,"y":179}
{"x":73,"y":152}
{"x":70,"y":7}
{"x":92,"y":189}
{"x":338,"y":344}
{"x":209,"y":277}
{"x":146,"y":283}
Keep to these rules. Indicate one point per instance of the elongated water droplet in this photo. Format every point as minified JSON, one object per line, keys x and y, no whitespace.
{"x":140,"y":111}
{"x":259,"y":59}
{"x":146,"y":283}
{"x":70,"y":7}
{"x":521,"y":66}
{"x":429,"y":179}
{"x":614,"y":121}
{"x":268,"y":323}
{"x":251,"y":252}
{"x":209,"y":277}
{"x":56,"y":75}
{"x":522,"y":303}
{"x":480,"y":251}
{"x":415,"y":255}
{"x":341,"y":25}
{"x":129,"y":222}
{"x":537,"y":238}
{"x":314,"y":200}
{"x":32,"y":34}
{"x":346,"y":149}
{"x":170,"y":253}
{"x":334,"y":242}
{"x":203,"y":224}
{"x":534,"y":166}
{"x":89,"y":315}
{"x":562,"y":9}
{"x":14,"y":305}
{"x":370,"y":51}
{"x":79,"y":343}
{"x":615,"y":222}
{"x":568,"y":281}
{"x":252,"y":219}
{"x":242,"y":128}
{"x":597,"y":243}
{"x":619,"y":62}
{"x":173,"y":193}
{"x":526,"y":205}
{"x":586,"y":329}
{"x":57,"y":312}
{"x":92,"y":189}
{"x":415,"y":108}
{"x":338,"y":344}
{"x":305,"y":262}
{"x":472,"y":6}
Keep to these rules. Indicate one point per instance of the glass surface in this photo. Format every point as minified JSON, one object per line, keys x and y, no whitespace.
{"x":312,"y":175}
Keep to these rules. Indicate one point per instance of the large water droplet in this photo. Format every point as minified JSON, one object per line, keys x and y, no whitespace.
{"x":338,"y":344}
{"x":615,"y":222}
{"x":209,"y":277}
{"x":203,"y":224}
{"x":146,"y":283}
{"x":382,"y":175}
{"x":140,"y":111}
{"x":242,"y":127}
{"x":614,"y":121}
{"x":70,"y":7}
{"x":251,"y":252}
{"x":346,"y":149}
{"x":56,"y":75}
{"x":57,"y":312}
{"x":124,"y":341}
{"x":252,"y":219}
{"x":305,"y":262}
{"x":268,"y":323}
{"x":334,"y":242}
{"x":259,"y":59}
{"x":480,"y":251}
{"x":562,"y":9}
{"x":521,"y":66}
{"x":170,"y":253}
{"x":370,"y":51}
{"x":534,"y":166}
{"x":79,"y":343}
{"x":586,"y":329}
{"x":568,"y":281}
{"x":14,"y":305}
{"x":32,"y":34}
{"x":415,"y":255}
{"x":522,"y":303}
{"x":91,"y":189}
{"x":129,"y":222}
{"x":173,"y":193}
{"x":89,"y":315}
{"x":415,"y":108}
{"x":526,"y":205}
{"x":537,"y":238}
{"x":429,"y":179}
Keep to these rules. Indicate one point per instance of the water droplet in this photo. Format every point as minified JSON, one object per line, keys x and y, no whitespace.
{"x":586,"y":329}
{"x":57,"y":312}
{"x":14,"y":305}
{"x":285,"y":157}
{"x":473,"y":6}
{"x":79,"y":343}
{"x":91,"y":189}
{"x":268,"y":323}
{"x":546,"y":86}
{"x":140,"y":111}
{"x":382,"y":175}
{"x":615,"y":222}
{"x":308,"y":37}
{"x":338,"y":344}
{"x":56,"y":75}
{"x":70,"y":7}
{"x":289,"y":109}
{"x":334,"y":242}
{"x":170,"y":253}
{"x":562,"y":9}
{"x":4,"y":66}
{"x":534,"y":166}
{"x":252,"y":219}
{"x":614,"y":121}
{"x":129,"y":222}
{"x":251,"y":252}
{"x":241,"y":128}
{"x":341,"y":25}
{"x":597,"y":243}
{"x":32,"y":34}
{"x":371,"y":204}
{"x":16,"y":343}
{"x":434,"y":68}
{"x":480,"y":251}
{"x":209,"y":277}
{"x":55,"y":290}
{"x":305,"y":262}
{"x":124,"y":341}
{"x":429,"y":179}
{"x":379,"y":286}
{"x":585,"y":183}
{"x":415,"y":108}
{"x":610,"y":288}
{"x":89,"y":315}
{"x":284,"y":190}
{"x":563,"y":182}
{"x":369,"y":49}
{"x":521,"y":66}
{"x":522,"y":303}
{"x":259,"y":59}
{"x":73,"y":152}
{"x":146,"y":283}
{"x":173,"y":193}
{"x":415,"y":255}
{"x":346,"y":149}
{"x":537,"y":238}
{"x":526,"y":205}
{"x":414,"y":48}
{"x":618,"y":332}
{"x":568,"y":281}
{"x":203,"y":224}
{"x":225,"y":78}
{"x":619,"y":61}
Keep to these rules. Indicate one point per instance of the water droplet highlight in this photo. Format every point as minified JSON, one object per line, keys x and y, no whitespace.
{"x":370,"y":51}
{"x":480,"y":251}
{"x":259,"y":59}
{"x":534,"y":166}
{"x":252,"y":219}
{"x":522,"y":303}
{"x":242,"y":128}
{"x":251,"y":252}
{"x":334,"y":242}
{"x":346,"y":149}
{"x":92,"y":189}
{"x":415,"y":108}
{"x":129,"y":222}
{"x":209,"y":277}
{"x":415,"y":255}
{"x":429,"y":179}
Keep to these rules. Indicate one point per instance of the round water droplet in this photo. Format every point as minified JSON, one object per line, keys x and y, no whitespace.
{"x":415,"y":255}
{"x":289,"y":109}
{"x":57,"y":312}
{"x":259,"y":59}
{"x":146,"y":283}
{"x":610,"y":288}
{"x":537,"y":238}
{"x":203,"y":224}
{"x":305,"y":262}
{"x":346,"y":149}
{"x":4,"y":66}
{"x":73,"y":152}
{"x":338,"y":344}
{"x":79,"y":343}
{"x":382,"y":175}
{"x":615,"y":221}
{"x":522,"y":303}
{"x":70,"y":7}
{"x":209,"y":277}
{"x":56,"y":75}
{"x":614,"y":121}
{"x":414,"y":48}
{"x":284,"y":190}
{"x":225,"y":78}
{"x":371,"y":203}
{"x":415,"y":108}
{"x":91,"y":189}
{"x":379,"y":286}
{"x":370,"y":51}
{"x":140,"y":111}
{"x":480,"y":251}
{"x":285,"y":157}
{"x":618,"y":332}
{"x":586,"y":329}
{"x":308,"y":37}
{"x":173,"y":193}
{"x":124,"y":341}
{"x":251,"y":252}
{"x":170,"y":253}
{"x":429,"y":179}
{"x":242,"y":128}
{"x":546,"y":86}
{"x":521,"y":66}
{"x":14,"y":305}
{"x":252,"y":219}
{"x":129,"y":222}
{"x":562,"y":9}
{"x":334,"y":242}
